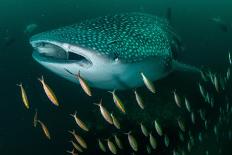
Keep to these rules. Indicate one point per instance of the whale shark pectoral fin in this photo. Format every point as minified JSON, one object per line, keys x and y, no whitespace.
{"x":177,"y":66}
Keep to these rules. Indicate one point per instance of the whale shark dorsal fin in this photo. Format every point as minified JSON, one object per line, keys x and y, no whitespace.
{"x":178,"y":66}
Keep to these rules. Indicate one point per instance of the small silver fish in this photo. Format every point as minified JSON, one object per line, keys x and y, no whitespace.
{"x":118,"y":142}
{"x":202,"y":90}
{"x":49,"y":92}
{"x":148,"y":83}
{"x":166,"y":140}
{"x":203,"y":76}
{"x":193,"y":119}
{"x":35,"y":120}
{"x":148,"y":148}
{"x":79,"y":139}
{"x":144,"y":129}
{"x":139,"y":99}
{"x":177,"y":99}
{"x":45,"y":129}
{"x":79,"y":122}
{"x":76,"y":146}
{"x":187,"y":104}
{"x":229,"y":56}
{"x":181,"y":125}
{"x":106,"y":115}
{"x":24,"y":95}
{"x":115,"y":121}
{"x":228,"y":73}
{"x":132,"y":141}
{"x":216,"y":83}
{"x":158,"y":128}
{"x":111,"y":146}
{"x":118,"y":102}
{"x":84,"y":84}
{"x":101,"y":145}
{"x":152,"y":141}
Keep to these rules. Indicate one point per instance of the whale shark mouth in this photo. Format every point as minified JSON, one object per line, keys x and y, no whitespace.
{"x":51,"y":52}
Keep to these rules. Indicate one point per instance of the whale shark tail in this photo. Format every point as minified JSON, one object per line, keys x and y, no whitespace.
{"x":177,"y":66}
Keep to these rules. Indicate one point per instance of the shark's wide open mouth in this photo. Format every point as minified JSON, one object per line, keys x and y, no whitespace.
{"x":51,"y":52}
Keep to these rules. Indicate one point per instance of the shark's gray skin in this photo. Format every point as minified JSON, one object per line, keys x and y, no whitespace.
{"x":111,"y":51}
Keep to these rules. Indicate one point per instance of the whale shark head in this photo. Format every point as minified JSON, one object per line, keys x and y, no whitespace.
{"x":110,"y":52}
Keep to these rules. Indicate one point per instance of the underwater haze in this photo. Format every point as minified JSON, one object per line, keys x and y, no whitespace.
{"x":184,"y":112}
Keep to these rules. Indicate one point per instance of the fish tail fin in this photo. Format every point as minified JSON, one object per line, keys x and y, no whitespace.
{"x":177,"y":66}
{"x":74,"y":114}
{"x":127,"y":133}
{"x":20,"y":84}
{"x":39,"y":121}
{"x":98,"y":104}
{"x":71,"y":152}
{"x":72,"y":132}
{"x":112,"y":92}
{"x":41,"y":79}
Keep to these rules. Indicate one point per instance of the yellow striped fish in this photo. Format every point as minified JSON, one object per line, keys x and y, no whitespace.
{"x":49,"y":92}
{"x":24,"y":95}
{"x":118,"y":102}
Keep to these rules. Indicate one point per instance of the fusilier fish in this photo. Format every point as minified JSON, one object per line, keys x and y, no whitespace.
{"x":106,"y":115}
{"x":111,"y":146}
{"x":118,"y":102}
{"x":118,"y":142}
{"x":152,"y":141}
{"x":49,"y":92}
{"x":228,"y":73}
{"x":181,"y":125}
{"x":45,"y":129}
{"x":101,"y":145}
{"x":202,"y":90}
{"x":150,"y":86}
{"x":148,"y":148}
{"x":144,"y":129}
{"x":187,"y":104}
{"x":24,"y":95}
{"x":166,"y":140}
{"x":79,"y":139}
{"x":193,"y":119}
{"x":139,"y":99}
{"x":203,"y":76}
{"x":76,"y":146}
{"x":84,"y":84}
{"x":132,"y":141}
{"x":79,"y":122}
{"x":177,"y":99}
{"x":158,"y":128}
{"x":216,"y":83}
{"x":229,"y":56}
{"x":35,"y":120}
{"x":115,"y":121}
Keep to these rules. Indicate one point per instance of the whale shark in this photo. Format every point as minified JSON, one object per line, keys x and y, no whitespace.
{"x":110,"y":52}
